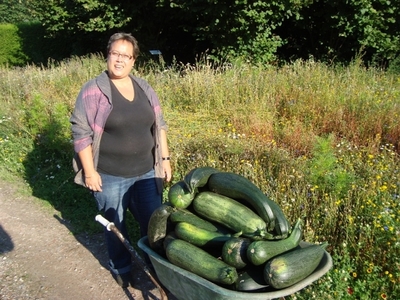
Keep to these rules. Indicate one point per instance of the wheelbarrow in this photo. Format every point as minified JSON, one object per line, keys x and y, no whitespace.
{"x":185,"y":285}
{"x":136,"y":258}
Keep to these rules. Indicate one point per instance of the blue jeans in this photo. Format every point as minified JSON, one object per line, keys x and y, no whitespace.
{"x":139,"y":195}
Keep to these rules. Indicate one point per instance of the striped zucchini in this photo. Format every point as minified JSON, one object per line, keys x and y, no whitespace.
{"x":234,"y":252}
{"x":259,"y":252}
{"x":158,"y":227}
{"x":238,"y":187}
{"x":293,"y":266}
{"x":200,"y":237}
{"x":184,"y":215}
{"x":230,"y":213}
{"x":199,"y":262}
{"x":252,"y":279}
{"x":198,"y":177}
{"x":179,"y":195}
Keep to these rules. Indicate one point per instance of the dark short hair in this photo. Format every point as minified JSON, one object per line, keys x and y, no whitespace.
{"x":126,"y":37}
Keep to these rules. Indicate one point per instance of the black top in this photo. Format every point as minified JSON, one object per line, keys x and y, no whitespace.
{"x":127,"y":144}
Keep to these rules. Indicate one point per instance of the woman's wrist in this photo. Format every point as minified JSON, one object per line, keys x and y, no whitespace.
{"x":90,"y":175}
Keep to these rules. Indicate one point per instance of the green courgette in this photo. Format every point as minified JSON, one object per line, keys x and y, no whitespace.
{"x":238,"y":187}
{"x":199,"y":262}
{"x":282,"y":225}
{"x":168,"y":238}
{"x":230,"y":213}
{"x":179,"y":195}
{"x":251,"y":279}
{"x":293,"y":266}
{"x":198,"y":177}
{"x":234,"y":252}
{"x":200,"y":237}
{"x":158,"y":227}
{"x":258,"y":252}
{"x":184,"y":215}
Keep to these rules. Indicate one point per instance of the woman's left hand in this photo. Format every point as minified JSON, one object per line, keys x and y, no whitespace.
{"x":167,"y":170}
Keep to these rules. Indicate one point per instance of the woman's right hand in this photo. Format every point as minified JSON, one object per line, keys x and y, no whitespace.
{"x":92,"y":178}
{"x":93,"y":182}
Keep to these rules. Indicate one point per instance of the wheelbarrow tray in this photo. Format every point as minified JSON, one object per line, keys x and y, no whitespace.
{"x":185,"y":285}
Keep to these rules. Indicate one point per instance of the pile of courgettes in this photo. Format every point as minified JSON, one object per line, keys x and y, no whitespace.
{"x":222,"y":227}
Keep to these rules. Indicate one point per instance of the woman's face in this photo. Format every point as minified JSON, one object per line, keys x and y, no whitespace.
{"x":120,"y":60}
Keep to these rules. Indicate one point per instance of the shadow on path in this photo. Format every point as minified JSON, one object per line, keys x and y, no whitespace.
{"x":6,"y":243}
{"x":48,"y":170}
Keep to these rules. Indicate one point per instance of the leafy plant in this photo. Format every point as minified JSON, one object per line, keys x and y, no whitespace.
{"x":325,"y":172}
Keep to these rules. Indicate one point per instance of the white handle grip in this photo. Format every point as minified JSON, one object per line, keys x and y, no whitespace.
{"x":103,"y":221}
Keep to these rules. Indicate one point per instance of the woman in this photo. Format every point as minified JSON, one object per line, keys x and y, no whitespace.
{"x":121,"y":147}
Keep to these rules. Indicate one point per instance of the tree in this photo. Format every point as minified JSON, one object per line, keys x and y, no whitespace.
{"x":259,"y":31}
{"x":341,"y":29}
{"x":245,"y":28}
{"x":15,"y":11}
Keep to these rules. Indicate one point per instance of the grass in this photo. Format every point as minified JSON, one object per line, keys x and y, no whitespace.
{"x":322,"y":141}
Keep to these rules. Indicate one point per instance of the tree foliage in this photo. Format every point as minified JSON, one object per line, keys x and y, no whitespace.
{"x":15,"y":11}
{"x":81,"y":15}
{"x":341,"y":29}
{"x":245,"y":28}
{"x":258,"y":31}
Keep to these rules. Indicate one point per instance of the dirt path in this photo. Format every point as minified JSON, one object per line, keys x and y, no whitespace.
{"x":41,"y":259}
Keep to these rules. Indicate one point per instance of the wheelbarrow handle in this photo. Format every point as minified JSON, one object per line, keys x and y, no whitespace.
{"x":136,"y":258}
{"x":103,"y":221}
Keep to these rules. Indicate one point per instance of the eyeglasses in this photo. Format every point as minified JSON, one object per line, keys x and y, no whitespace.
{"x":116,"y":55}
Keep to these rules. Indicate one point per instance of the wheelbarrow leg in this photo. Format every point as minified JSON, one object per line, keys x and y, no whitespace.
{"x":137,"y":259}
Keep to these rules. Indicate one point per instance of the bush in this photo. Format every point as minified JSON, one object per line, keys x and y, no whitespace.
{"x":11,"y":52}
{"x":394,"y":66}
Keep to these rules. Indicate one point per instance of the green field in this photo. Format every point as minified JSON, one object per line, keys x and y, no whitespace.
{"x":322,"y":141}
